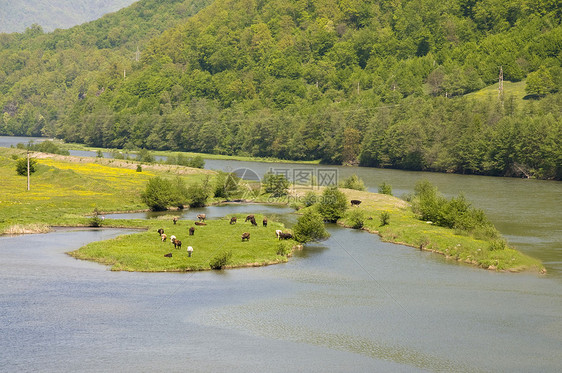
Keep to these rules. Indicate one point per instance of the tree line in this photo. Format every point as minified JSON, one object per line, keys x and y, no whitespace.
{"x":349,"y":82}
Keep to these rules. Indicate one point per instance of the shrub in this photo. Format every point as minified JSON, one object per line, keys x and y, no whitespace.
{"x":198,"y":194}
{"x":220,"y":260}
{"x":385,"y":188}
{"x":385,"y":218}
{"x":310,"y":227}
{"x":498,"y":244}
{"x":353,"y":182}
{"x":158,"y":194}
{"x":96,"y":220}
{"x":332,"y":204}
{"x":226,"y":185}
{"x":21,"y":166}
{"x":356,"y":218}
{"x":277,"y":185}
{"x":310,"y":198}
{"x":139,"y":168}
{"x":99,"y":154}
{"x":284,"y":248}
{"x":145,"y":156}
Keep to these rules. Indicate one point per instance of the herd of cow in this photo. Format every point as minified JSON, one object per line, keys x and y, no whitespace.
{"x":201,"y":221}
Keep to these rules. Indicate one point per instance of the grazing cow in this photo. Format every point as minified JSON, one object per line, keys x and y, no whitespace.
{"x":249,"y":217}
{"x":355,"y":202}
{"x":189,"y":251}
{"x":169,"y":255}
{"x":191,"y":231}
{"x":172,"y":238}
{"x":160,"y":231}
{"x":163,"y":237}
{"x":246,"y":236}
{"x":175,"y":219}
{"x":264,"y":222}
{"x":285,"y":236}
{"x":177,"y":244}
{"x":253,"y":221}
{"x":201,"y":217}
{"x":233,"y":220}
{"x":278,"y":233}
{"x":200,"y":223}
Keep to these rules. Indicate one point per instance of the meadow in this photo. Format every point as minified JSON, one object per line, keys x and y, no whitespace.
{"x":65,"y":191}
{"x":145,"y":251}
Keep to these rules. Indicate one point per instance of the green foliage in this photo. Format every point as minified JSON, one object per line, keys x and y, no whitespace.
{"x":139,"y":168}
{"x":379,"y":84}
{"x":353,"y":182}
{"x":455,"y":213}
{"x":310,"y":198}
{"x":310,"y":227}
{"x":46,"y":146}
{"x":284,"y":248}
{"x":226,"y":185}
{"x":277,"y":185}
{"x":384,"y":218}
{"x":385,"y":188}
{"x":96,"y":220}
{"x":21,"y":166}
{"x":145,"y":156}
{"x":198,"y":193}
{"x":332,"y":204}
{"x":356,"y":218}
{"x":182,"y":160}
{"x":160,"y":193}
{"x":220,"y":260}
{"x":99,"y":154}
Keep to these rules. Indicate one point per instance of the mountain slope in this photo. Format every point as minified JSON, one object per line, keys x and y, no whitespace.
{"x":345,"y":81}
{"x":17,"y":16}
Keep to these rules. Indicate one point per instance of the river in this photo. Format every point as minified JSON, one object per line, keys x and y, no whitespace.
{"x":351,"y":303}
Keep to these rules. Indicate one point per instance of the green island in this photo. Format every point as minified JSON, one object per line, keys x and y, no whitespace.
{"x":71,"y":191}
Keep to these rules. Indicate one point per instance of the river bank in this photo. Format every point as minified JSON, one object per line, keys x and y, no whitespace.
{"x":65,"y":191}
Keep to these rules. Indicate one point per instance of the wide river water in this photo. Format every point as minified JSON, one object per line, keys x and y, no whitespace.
{"x":351,"y":303}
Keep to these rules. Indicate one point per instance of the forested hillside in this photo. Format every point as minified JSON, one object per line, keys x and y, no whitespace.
{"x":16,"y":16}
{"x":378,"y":83}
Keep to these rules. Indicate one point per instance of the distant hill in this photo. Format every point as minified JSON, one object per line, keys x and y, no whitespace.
{"x":16,"y":16}
{"x":369,"y":82}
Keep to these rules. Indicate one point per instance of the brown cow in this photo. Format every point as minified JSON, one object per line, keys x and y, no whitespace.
{"x":253,"y":221}
{"x":285,"y":236}
{"x":163,"y":237}
{"x":246,"y":236}
{"x":355,"y":202}
{"x":201,"y":217}
{"x":160,"y":231}
{"x":177,"y":243}
{"x":169,"y":255}
{"x":264,"y":222}
{"x":249,"y":217}
{"x":200,"y":223}
{"x":175,"y":219}
{"x":233,"y":220}
{"x":191,"y":231}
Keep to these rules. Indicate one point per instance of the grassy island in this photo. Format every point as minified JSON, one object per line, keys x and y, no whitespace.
{"x":66,"y":190}
{"x":217,"y":240}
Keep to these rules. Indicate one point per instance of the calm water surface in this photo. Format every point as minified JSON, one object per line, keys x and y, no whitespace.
{"x":351,"y":303}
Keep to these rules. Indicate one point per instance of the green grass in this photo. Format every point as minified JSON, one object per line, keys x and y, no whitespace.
{"x":73,"y":146}
{"x":515,"y":89}
{"x":145,"y":251}
{"x":65,"y":190}
{"x":404,"y":228}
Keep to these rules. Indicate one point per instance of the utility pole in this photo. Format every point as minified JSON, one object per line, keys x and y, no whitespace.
{"x":500,"y":86}
{"x":28,"y":183}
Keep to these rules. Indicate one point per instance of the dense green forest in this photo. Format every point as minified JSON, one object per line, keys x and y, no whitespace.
{"x":374,"y":83}
{"x":16,"y":16}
